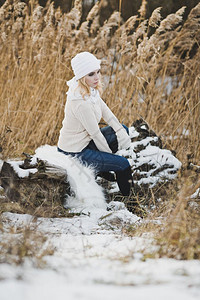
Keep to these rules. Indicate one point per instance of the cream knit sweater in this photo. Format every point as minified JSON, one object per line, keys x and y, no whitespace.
{"x":82,"y":116}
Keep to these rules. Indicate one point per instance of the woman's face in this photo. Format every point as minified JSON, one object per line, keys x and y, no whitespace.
{"x":92,"y":79}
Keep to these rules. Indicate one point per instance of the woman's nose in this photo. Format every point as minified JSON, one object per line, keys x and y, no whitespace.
{"x":96,"y":76}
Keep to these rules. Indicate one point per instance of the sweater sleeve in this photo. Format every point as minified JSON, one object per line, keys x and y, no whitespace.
{"x":122,"y":136}
{"x":87,"y":118}
{"x":109,"y":117}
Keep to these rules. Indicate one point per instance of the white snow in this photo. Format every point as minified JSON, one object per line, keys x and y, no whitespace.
{"x":169,"y":83}
{"x":22,"y":173}
{"x":159,"y":157}
{"x":1,"y":164}
{"x":94,"y":260}
{"x":195,"y":194}
{"x":132,"y":132}
{"x":151,"y":155}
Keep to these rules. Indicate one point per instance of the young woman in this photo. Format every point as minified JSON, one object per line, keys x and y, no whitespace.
{"x":80,"y":134}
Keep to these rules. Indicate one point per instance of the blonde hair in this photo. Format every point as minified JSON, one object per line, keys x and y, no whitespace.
{"x":85,"y":89}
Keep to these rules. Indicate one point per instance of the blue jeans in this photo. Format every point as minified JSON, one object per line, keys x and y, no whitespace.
{"x":102,"y":161}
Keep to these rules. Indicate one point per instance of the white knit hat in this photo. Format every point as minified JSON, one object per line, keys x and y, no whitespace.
{"x":84,"y":63}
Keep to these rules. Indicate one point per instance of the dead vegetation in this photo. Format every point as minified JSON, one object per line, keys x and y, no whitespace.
{"x":18,"y":243}
{"x":174,"y":223}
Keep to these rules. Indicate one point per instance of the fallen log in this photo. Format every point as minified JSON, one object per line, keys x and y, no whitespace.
{"x":41,"y":182}
{"x":40,"y":189}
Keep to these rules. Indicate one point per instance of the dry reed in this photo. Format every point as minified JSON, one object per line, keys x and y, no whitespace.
{"x":155,"y":76}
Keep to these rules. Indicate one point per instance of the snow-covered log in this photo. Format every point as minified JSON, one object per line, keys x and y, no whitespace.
{"x":50,"y":174}
{"x":32,"y":185}
{"x":152,"y":166}
{"x":46,"y":180}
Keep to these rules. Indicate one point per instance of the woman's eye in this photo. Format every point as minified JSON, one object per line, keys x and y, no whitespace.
{"x":92,"y":73}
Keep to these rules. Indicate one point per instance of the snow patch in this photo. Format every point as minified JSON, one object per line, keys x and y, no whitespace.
{"x":133,"y":132}
{"x":1,"y":164}
{"x":103,"y":264}
{"x":196,"y":194}
{"x":22,"y":173}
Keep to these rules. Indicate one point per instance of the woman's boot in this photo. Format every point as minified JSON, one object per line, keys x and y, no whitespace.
{"x":107,"y":175}
{"x":124,"y":181}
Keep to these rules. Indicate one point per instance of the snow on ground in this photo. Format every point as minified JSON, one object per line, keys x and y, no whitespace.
{"x":94,"y":260}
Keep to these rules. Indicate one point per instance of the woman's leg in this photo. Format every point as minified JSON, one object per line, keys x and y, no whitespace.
{"x":111,"y":137}
{"x":105,"y":162}
{"x":121,"y":176}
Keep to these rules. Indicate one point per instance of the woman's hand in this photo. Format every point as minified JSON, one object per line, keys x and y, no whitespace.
{"x":123,"y":138}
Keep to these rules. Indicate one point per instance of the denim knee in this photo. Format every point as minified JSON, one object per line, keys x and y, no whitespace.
{"x":124,"y":163}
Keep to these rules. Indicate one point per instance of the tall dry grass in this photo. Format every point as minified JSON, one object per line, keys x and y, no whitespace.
{"x":150,"y":69}
{"x":175,"y":224}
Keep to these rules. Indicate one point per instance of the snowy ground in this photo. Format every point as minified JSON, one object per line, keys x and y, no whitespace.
{"x":94,"y":260}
